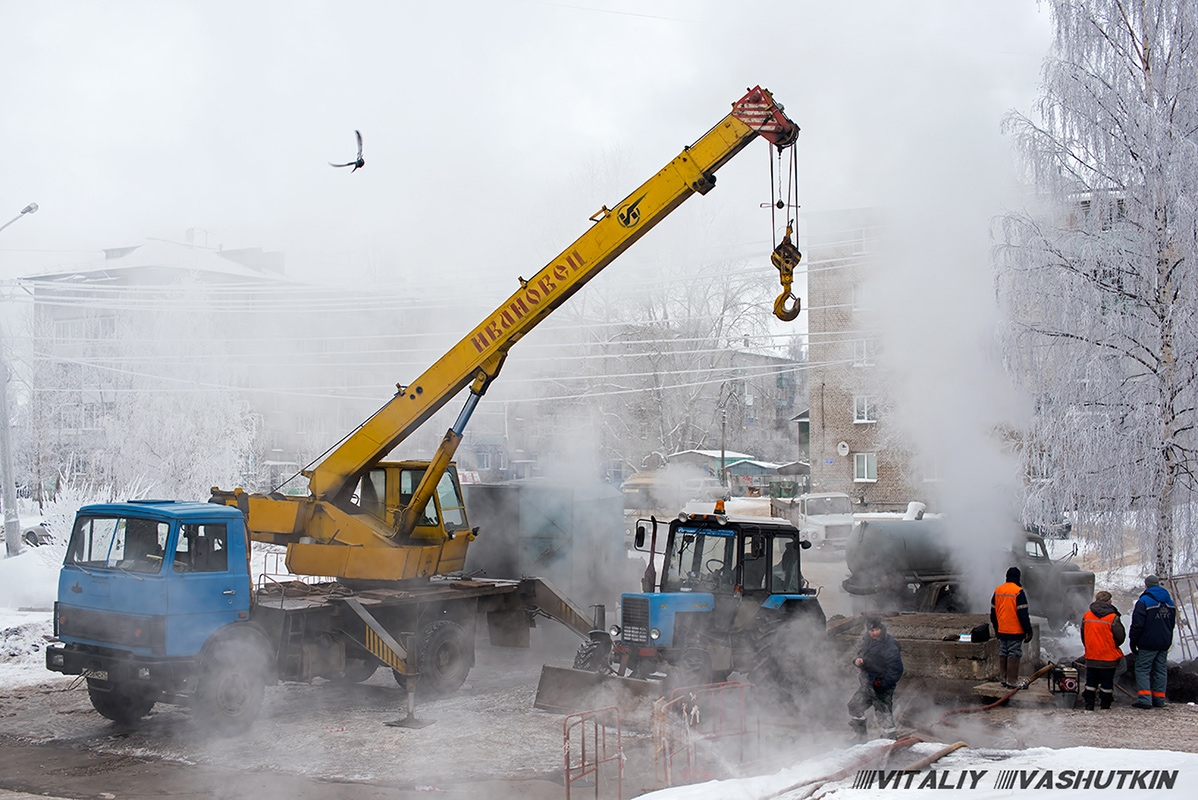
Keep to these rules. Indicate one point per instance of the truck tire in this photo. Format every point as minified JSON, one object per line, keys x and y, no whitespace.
{"x":444,"y":659}
{"x":121,"y":704}
{"x":230,"y":689}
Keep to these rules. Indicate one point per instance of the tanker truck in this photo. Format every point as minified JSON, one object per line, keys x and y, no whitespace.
{"x":910,"y":565}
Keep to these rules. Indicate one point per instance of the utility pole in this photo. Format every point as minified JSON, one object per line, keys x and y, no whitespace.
{"x":8,"y":486}
{"x":723,"y":431}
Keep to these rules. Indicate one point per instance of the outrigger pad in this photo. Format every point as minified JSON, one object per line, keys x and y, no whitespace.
{"x":410,"y":722}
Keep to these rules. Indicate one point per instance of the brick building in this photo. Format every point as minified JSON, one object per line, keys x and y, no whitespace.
{"x":854,"y":448}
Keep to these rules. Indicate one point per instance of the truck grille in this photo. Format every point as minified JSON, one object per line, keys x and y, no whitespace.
{"x":114,"y":630}
{"x":838,"y":533}
{"x":635,"y":620}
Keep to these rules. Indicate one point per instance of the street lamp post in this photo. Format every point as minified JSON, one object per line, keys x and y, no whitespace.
{"x":29,"y":209}
{"x":8,"y":487}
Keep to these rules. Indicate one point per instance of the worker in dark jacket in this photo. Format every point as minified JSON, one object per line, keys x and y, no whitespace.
{"x":1102,"y":634}
{"x":1012,"y":626}
{"x":880,"y":661}
{"x":1152,"y":623}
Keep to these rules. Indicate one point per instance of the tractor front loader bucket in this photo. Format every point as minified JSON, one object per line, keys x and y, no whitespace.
{"x":567,"y":691}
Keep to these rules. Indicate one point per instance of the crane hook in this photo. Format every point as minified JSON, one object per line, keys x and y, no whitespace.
{"x":786,"y":257}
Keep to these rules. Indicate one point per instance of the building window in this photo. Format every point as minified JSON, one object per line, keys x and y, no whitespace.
{"x":858,"y":237}
{"x":930,"y":466}
{"x":858,"y":296}
{"x":484,"y":459}
{"x":865,"y":467}
{"x":864,"y":352}
{"x":864,"y":409}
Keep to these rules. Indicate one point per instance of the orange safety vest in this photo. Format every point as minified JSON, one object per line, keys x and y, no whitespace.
{"x":1100,"y":640}
{"x":1004,"y":608}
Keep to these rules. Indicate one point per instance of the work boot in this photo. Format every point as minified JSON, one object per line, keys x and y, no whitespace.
{"x":1012,"y":672}
{"x":1088,"y":699}
{"x":857,"y":726}
{"x":1002,"y":670}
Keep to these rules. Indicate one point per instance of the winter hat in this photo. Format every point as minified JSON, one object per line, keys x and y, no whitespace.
{"x":1013,"y":575}
{"x":1103,"y":597}
{"x":874,"y":622}
{"x":1151,"y":581}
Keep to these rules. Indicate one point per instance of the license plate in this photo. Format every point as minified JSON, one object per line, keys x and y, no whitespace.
{"x":96,"y":674}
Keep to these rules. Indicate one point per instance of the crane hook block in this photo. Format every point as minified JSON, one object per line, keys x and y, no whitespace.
{"x":782,"y":312}
{"x":786,"y":257}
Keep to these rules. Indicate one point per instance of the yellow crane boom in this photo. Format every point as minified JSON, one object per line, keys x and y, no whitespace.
{"x":400,"y":539}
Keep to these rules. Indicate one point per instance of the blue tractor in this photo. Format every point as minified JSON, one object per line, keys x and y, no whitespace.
{"x":731,"y":598}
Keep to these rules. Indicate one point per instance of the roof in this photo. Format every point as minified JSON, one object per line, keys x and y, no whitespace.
{"x":749,"y":464}
{"x":729,"y":456}
{"x":156,"y":259}
{"x":186,"y":509}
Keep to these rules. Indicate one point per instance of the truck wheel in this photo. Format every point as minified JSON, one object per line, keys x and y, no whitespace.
{"x":445,"y":658}
{"x":948,"y":604}
{"x":121,"y":704}
{"x":231,"y":686}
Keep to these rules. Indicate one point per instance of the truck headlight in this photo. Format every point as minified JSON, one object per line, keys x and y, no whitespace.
{"x":56,"y":659}
{"x":615,"y":631}
{"x":143,"y":673}
{"x":654,"y":634}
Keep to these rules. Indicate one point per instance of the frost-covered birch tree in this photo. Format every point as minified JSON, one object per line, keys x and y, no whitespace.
{"x":1100,"y":282}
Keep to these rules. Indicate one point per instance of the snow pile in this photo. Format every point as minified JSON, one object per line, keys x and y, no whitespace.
{"x":30,"y":580}
{"x":1048,"y":773}
{"x":23,"y":637}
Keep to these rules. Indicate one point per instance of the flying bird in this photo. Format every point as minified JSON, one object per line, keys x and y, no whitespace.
{"x":359,"y":161}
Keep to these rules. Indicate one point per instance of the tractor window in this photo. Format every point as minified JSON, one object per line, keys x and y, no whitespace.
{"x":126,"y":543}
{"x":755,"y":562}
{"x":449,"y":497}
{"x":788,"y":579}
{"x":700,"y":560}
{"x":409,"y":479}
{"x":202,"y":548}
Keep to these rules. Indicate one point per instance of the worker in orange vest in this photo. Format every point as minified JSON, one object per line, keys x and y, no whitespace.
{"x":1102,"y":633}
{"x":1012,"y":626}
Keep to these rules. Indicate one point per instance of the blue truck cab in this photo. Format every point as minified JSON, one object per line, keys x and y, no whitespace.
{"x":148,"y":593}
{"x":728,"y":587}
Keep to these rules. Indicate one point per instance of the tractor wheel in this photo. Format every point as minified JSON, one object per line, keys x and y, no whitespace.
{"x":444,"y":659}
{"x":588,"y":656}
{"x":119,"y":703}
{"x":693,"y":668}
{"x":231,"y":686}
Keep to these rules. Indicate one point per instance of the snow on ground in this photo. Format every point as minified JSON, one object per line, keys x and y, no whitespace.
{"x":961,"y":769}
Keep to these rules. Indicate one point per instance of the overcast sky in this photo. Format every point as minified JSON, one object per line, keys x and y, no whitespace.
{"x":481,"y":119}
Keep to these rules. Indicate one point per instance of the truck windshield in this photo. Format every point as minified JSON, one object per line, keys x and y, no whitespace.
{"x":700,"y":559}
{"x":131,"y":544}
{"x":829,"y":505}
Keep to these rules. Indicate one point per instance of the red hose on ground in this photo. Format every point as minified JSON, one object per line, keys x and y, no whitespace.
{"x":945,"y":721}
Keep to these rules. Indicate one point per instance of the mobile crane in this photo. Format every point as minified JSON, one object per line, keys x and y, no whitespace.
{"x":391,"y":533}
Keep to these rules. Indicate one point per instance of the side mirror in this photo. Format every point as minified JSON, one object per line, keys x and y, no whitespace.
{"x":640,"y":536}
{"x":757,"y":546}
{"x":1075,"y":548}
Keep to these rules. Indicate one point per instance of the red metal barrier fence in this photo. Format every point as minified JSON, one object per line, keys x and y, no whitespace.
{"x":598,"y":743}
{"x":696,"y":727}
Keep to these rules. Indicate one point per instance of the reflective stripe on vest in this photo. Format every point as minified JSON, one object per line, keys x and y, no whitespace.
{"x":1100,"y":640}
{"x":1005,"y":598}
